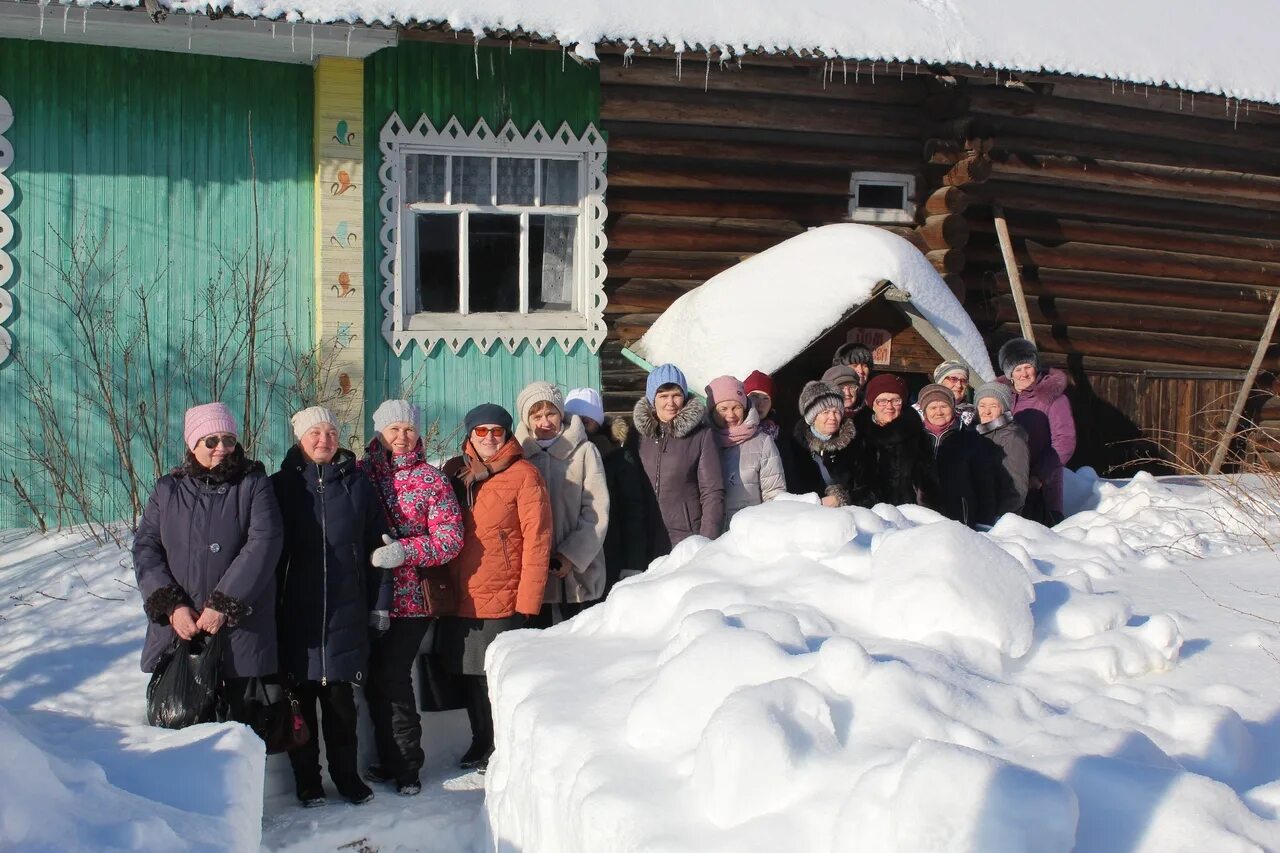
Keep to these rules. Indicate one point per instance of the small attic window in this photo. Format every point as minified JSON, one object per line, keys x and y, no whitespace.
{"x":882,"y":197}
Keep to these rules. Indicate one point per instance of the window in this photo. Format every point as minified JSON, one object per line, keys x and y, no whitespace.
{"x":492,"y":237}
{"x":882,"y":197}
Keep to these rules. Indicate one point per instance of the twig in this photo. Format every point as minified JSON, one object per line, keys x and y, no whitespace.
{"x":47,"y":595}
{"x":1224,"y":606}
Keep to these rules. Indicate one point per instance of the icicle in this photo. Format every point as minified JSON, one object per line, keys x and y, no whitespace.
{"x":273,"y":30}
{"x":510,"y":46}
{"x":706,"y":79}
{"x":41,"y":19}
{"x":475,"y":55}
{"x":628,"y":57}
{"x":1235,"y":123}
{"x":915,"y":69}
{"x":1113,"y":87}
{"x":1193,"y":102}
{"x":873,"y":72}
{"x":844,"y":68}
{"x":857,"y":69}
{"x":66,"y":10}
{"x":190,"y":18}
{"x":679,"y":64}
{"x":824,"y":76}
{"x":1146,"y":91}
{"x":997,"y":76}
{"x":1226,"y":107}
{"x":350,"y":29}
{"x":84,"y":20}
{"x":1179,"y":100}
{"x":902,"y":70}
{"x":563,"y":55}
{"x":293,"y":32}
{"x":313,"y":42}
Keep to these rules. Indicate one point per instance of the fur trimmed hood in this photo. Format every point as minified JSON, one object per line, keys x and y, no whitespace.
{"x":843,"y":438}
{"x":687,"y":421}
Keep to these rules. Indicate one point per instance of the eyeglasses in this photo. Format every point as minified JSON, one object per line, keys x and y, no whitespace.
{"x":225,"y":440}
{"x":888,"y":403}
{"x":955,"y":380}
{"x":484,"y":431}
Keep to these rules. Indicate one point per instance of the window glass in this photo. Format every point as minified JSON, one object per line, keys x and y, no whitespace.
{"x":424,"y":177}
{"x":551,"y":244}
{"x":437,"y":262}
{"x":560,"y":182}
{"x":883,"y":196}
{"x":472,"y":180}
{"x":515,"y":180}
{"x":494,"y":248}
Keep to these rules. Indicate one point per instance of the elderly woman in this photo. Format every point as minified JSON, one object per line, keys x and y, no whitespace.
{"x":1008,"y":444}
{"x":205,"y":555}
{"x":749,"y":459}
{"x":685,"y":488}
{"x":1040,"y":405}
{"x":849,"y":382}
{"x":856,"y":356}
{"x":954,"y":376}
{"x":333,"y":524}
{"x":574,"y":475}
{"x":962,"y":463}
{"x":423,"y":515}
{"x":897,"y":457}
{"x":501,"y":574}
{"x":824,"y":457}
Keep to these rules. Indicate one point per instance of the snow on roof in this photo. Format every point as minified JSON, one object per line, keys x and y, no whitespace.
{"x":761,"y":313}
{"x":1225,"y":48}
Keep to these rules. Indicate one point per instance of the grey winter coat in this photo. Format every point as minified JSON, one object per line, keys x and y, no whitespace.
{"x":752,"y":471}
{"x":212,"y":538}
{"x":1010,"y":450}
{"x":681,"y":463}
{"x":574,"y":473}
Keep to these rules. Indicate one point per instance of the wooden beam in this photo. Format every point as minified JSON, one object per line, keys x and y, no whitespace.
{"x":1015,"y":276}
{"x":1264,"y":344}
{"x":946,"y":200}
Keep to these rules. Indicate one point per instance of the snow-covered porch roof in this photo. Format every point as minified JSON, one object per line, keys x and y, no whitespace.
{"x":762,"y":313}
{"x":1225,"y":48}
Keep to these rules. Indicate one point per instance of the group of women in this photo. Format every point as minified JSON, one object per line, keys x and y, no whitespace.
{"x":332,"y":572}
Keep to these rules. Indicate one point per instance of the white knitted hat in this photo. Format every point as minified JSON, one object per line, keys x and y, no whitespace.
{"x":396,"y":412}
{"x":585,"y":403}
{"x":308,"y":418}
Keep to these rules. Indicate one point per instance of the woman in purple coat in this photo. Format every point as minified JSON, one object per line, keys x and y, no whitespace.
{"x":205,"y":555}
{"x":1040,"y":405}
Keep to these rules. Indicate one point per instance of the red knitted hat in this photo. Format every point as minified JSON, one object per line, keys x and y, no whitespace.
{"x":885,"y":383}
{"x":757,"y":381}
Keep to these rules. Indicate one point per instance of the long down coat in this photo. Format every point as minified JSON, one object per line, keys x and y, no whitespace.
{"x":752,"y":471}
{"x":332,"y":523}
{"x":574,"y":474}
{"x":212,"y":539}
{"x":965,"y":468}
{"x":626,"y":543}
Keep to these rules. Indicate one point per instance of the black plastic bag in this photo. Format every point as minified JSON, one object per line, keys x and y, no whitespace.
{"x":184,"y":687}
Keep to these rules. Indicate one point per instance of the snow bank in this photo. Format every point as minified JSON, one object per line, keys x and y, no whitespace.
{"x":830,"y":679}
{"x":1227,"y":49}
{"x":761,"y":313}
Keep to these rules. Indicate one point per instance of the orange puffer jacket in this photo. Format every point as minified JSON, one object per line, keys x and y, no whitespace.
{"x":506,"y":548}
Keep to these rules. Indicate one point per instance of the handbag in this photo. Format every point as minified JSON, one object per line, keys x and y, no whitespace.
{"x":279,"y":721}
{"x":439,"y":596}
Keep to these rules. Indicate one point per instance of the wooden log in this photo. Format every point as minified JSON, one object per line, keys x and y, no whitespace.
{"x":946,"y":260}
{"x":629,"y":328}
{"x":946,"y":200}
{"x":1014,"y":275}
{"x":771,"y":153}
{"x":1047,"y":229}
{"x":627,"y":170}
{"x":1135,"y":318}
{"x":970,"y":170}
{"x":1138,"y":290}
{"x":1029,"y":140}
{"x":945,"y":231}
{"x":806,"y":210}
{"x":722,"y":109}
{"x":674,"y":265}
{"x":1222,"y":187}
{"x":911,"y":235}
{"x":1142,"y":346}
{"x":729,"y":137}
{"x":685,"y":234}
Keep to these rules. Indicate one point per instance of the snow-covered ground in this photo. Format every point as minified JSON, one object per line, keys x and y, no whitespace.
{"x":816,"y":679}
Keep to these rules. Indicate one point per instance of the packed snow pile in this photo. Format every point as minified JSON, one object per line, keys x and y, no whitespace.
{"x":835,"y":679}
{"x":761,"y":313}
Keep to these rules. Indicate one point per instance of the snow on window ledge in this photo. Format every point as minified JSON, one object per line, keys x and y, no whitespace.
{"x":6,"y":231}
{"x":401,"y":327}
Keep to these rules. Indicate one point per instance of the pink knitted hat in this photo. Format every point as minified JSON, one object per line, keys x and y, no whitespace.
{"x":208,"y":419}
{"x":725,"y":388}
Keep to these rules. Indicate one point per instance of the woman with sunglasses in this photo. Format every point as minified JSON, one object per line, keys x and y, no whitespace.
{"x":423,"y":515}
{"x":501,"y":574}
{"x":205,"y":556}
{"x":896,"y":454}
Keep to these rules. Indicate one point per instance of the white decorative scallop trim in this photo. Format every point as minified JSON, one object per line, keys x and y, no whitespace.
{"x":6,"y":231}
{"x":588,"y":325}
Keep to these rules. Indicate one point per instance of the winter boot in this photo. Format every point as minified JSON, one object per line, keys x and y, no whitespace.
{"x":408,"y":786}
{"x":311,"y":794}
{"x":353,"y":790}
{"x":475,"y":756}
{"x":378,"y":775}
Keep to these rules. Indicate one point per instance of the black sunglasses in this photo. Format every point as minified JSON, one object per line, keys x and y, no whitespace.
{"x":225,"y":440}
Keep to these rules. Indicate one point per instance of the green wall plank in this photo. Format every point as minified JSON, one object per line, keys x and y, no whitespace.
{"x":441,"y":81}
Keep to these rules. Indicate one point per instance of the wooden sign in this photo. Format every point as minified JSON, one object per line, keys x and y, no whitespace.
{"x":879,"y":341}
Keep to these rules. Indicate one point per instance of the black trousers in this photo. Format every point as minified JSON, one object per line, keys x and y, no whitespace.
{"x":479,"y":712}
{"x":397,"y":727}
{"x":338,"y":707}
{"x":554,"y":614}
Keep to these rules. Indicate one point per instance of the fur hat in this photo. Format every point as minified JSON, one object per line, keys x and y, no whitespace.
{"x":942,"y":371}
{"x":310,"y":417}
{"x":664,"y":374}
{"x":725,"y":388}
{"x":997,"y":391}
{"x":818,"y":397}
{"x":934,"y":394}
{"x":585,"y":403}
{"x":841,"y":374}
{"x":535,"y":393}
{"x":206,"y":420}
{"x":396,"y":412}
{"x":487,"y":413}
{"x":758,"y":382}
{"x":853,"y":353}
{"x":884,"y":383}
{"x":1015,"y":352}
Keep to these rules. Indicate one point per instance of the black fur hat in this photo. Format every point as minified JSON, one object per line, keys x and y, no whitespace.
{"x":852,"y":353}
{"x":1015,"y":352}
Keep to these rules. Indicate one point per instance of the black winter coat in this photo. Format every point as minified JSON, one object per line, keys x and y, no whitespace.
{"x":966,"y":472}
{"x":808,"y":456}
{"x":896,"y":459}
{"x":212,"y":538}
{"x":333,"y":521}
{"x":626,"y":542}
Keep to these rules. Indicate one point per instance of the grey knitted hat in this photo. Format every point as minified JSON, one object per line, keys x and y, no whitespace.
{"x":997,"y":391}
{"x":949,"y":367}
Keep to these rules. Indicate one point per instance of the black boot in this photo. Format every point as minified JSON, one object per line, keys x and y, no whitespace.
{"x":310,"y":793}
{"x":480,"y":714}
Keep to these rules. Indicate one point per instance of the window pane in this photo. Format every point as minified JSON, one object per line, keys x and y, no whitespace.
{"x":437,"y":262}
{"x":515,"y":180}
{"x":472,"y":182}
{"x":495,"y":262}
{"x":885,"y":196}
{"x":560,"y":182}
{"x":551,"y":240}
{"x":424,"y":177}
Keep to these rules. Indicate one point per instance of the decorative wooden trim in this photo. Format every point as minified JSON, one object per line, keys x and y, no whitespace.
{"x":399,"y":328}
{"x":6,"y":231}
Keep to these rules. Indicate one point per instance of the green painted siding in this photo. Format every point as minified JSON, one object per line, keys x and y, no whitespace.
{"x":442,"y":81}
{"x":150,"y":149}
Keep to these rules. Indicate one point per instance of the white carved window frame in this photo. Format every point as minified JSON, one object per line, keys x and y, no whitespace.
{"x":6,"y":231}
{"x":401,"y":327}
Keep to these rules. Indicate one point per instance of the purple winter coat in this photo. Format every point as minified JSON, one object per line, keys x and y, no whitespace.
{"x":212,"y":538}
{"x":1044,"y":412}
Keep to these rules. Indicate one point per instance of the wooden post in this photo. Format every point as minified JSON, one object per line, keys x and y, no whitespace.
{"x":1015,"y":278}
{"x":1264,"y":342}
